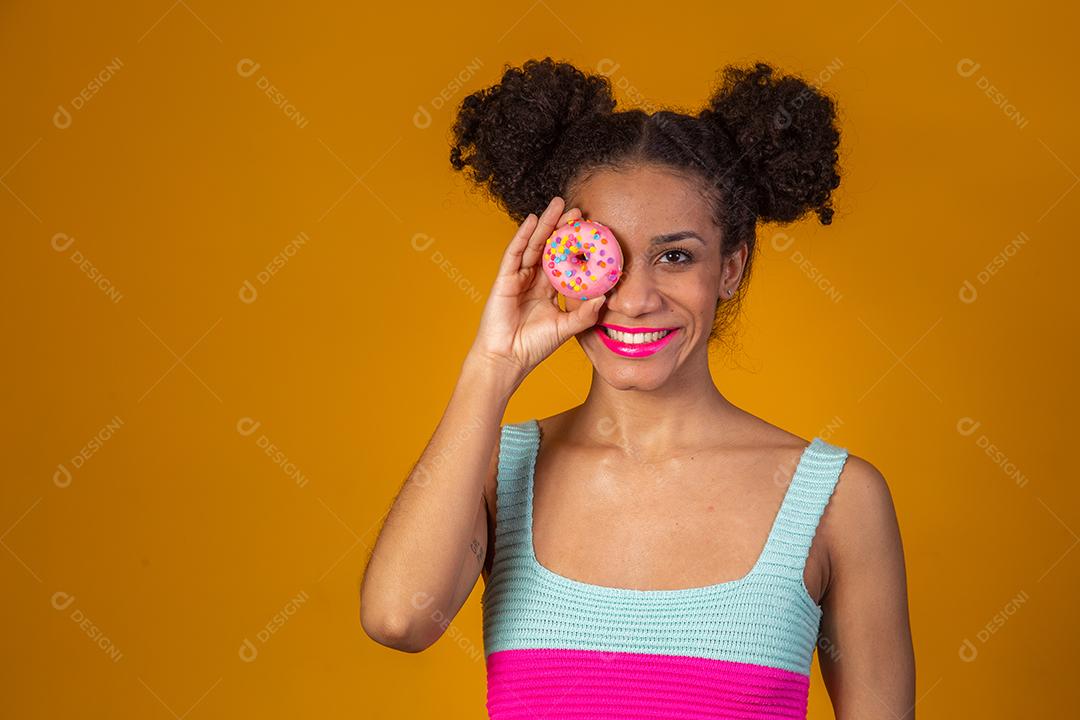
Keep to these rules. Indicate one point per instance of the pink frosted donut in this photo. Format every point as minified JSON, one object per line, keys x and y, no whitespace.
{"x":582,"y":259}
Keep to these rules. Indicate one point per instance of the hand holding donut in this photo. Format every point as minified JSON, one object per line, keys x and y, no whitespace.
{"x":522,"y":322}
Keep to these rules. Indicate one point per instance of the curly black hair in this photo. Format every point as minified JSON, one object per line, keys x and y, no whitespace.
{"x":764,"y":146}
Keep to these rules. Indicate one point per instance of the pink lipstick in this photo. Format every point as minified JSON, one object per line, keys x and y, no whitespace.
{"x":634,"y":350}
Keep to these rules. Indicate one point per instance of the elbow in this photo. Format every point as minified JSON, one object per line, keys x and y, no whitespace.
{"x":391,"y":632}
{"x":395,"y":630}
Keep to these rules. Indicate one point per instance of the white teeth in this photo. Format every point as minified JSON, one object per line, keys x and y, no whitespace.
{"x":635,"y":338}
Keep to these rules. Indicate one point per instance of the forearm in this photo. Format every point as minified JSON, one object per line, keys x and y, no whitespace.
{"x":416,"y":564}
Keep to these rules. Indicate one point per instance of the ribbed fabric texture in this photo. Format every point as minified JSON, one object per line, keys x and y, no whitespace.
{"x":557,"y":648}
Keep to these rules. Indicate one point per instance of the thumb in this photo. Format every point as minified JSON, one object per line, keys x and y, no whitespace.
{"x":584,"y":316}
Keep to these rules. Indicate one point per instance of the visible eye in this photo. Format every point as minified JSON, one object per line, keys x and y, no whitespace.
{"x":677,"y":252}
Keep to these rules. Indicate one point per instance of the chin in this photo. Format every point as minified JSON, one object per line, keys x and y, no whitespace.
{"x":623,"y":373}
{"x":625,"y":376}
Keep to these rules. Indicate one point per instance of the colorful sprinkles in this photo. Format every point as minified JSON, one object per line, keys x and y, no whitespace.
{"x":585,"y":260}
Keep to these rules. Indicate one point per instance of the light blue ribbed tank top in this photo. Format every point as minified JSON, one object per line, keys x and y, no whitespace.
{"x":767,"y":617}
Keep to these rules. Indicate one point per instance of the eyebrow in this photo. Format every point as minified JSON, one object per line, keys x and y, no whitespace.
{"x":675,"y":237}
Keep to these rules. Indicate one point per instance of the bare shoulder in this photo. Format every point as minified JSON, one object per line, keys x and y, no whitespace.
{"x":861,"y":498}
{"x":859,"y":524}
{"x":550,"y":425}
{"x":558,"y":430}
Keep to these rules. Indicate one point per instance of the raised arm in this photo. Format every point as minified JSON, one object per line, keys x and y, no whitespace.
{"x":434,"y":541}
{"x":865,"y":649}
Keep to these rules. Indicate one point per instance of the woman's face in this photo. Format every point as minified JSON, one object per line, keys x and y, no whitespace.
{"x":672,"y":277}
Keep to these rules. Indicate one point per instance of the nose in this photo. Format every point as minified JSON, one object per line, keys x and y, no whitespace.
{"x":635,"y":293}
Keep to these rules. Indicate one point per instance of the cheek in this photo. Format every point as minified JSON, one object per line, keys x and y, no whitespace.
{"x":695,"y":291}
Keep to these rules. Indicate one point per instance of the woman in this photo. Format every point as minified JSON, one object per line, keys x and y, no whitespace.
{"x":655,"y":551}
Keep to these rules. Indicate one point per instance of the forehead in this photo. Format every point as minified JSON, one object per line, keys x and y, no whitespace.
{"x":642,"y":202}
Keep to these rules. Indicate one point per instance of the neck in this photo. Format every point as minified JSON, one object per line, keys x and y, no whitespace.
{"x":685,"y":412}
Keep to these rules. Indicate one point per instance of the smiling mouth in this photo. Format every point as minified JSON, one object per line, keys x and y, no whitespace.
{"x":635,"y":338}
{"x":634,"y":342}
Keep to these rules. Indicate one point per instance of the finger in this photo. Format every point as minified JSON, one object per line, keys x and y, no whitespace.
{"x":541,"y":286}
{"x":582,"y":317}
{"x":541,"y":290}
{"x":570,"y":215}
{"x":544,"y":227}
{"x":567,"y":217}
{"x":511,"y":261}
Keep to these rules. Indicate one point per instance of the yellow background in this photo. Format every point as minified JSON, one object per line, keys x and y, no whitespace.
{"x":132,"y":226}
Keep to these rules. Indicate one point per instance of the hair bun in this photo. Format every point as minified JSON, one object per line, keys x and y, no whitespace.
{"x":506,"y":135}
{"x":785,"y":137}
